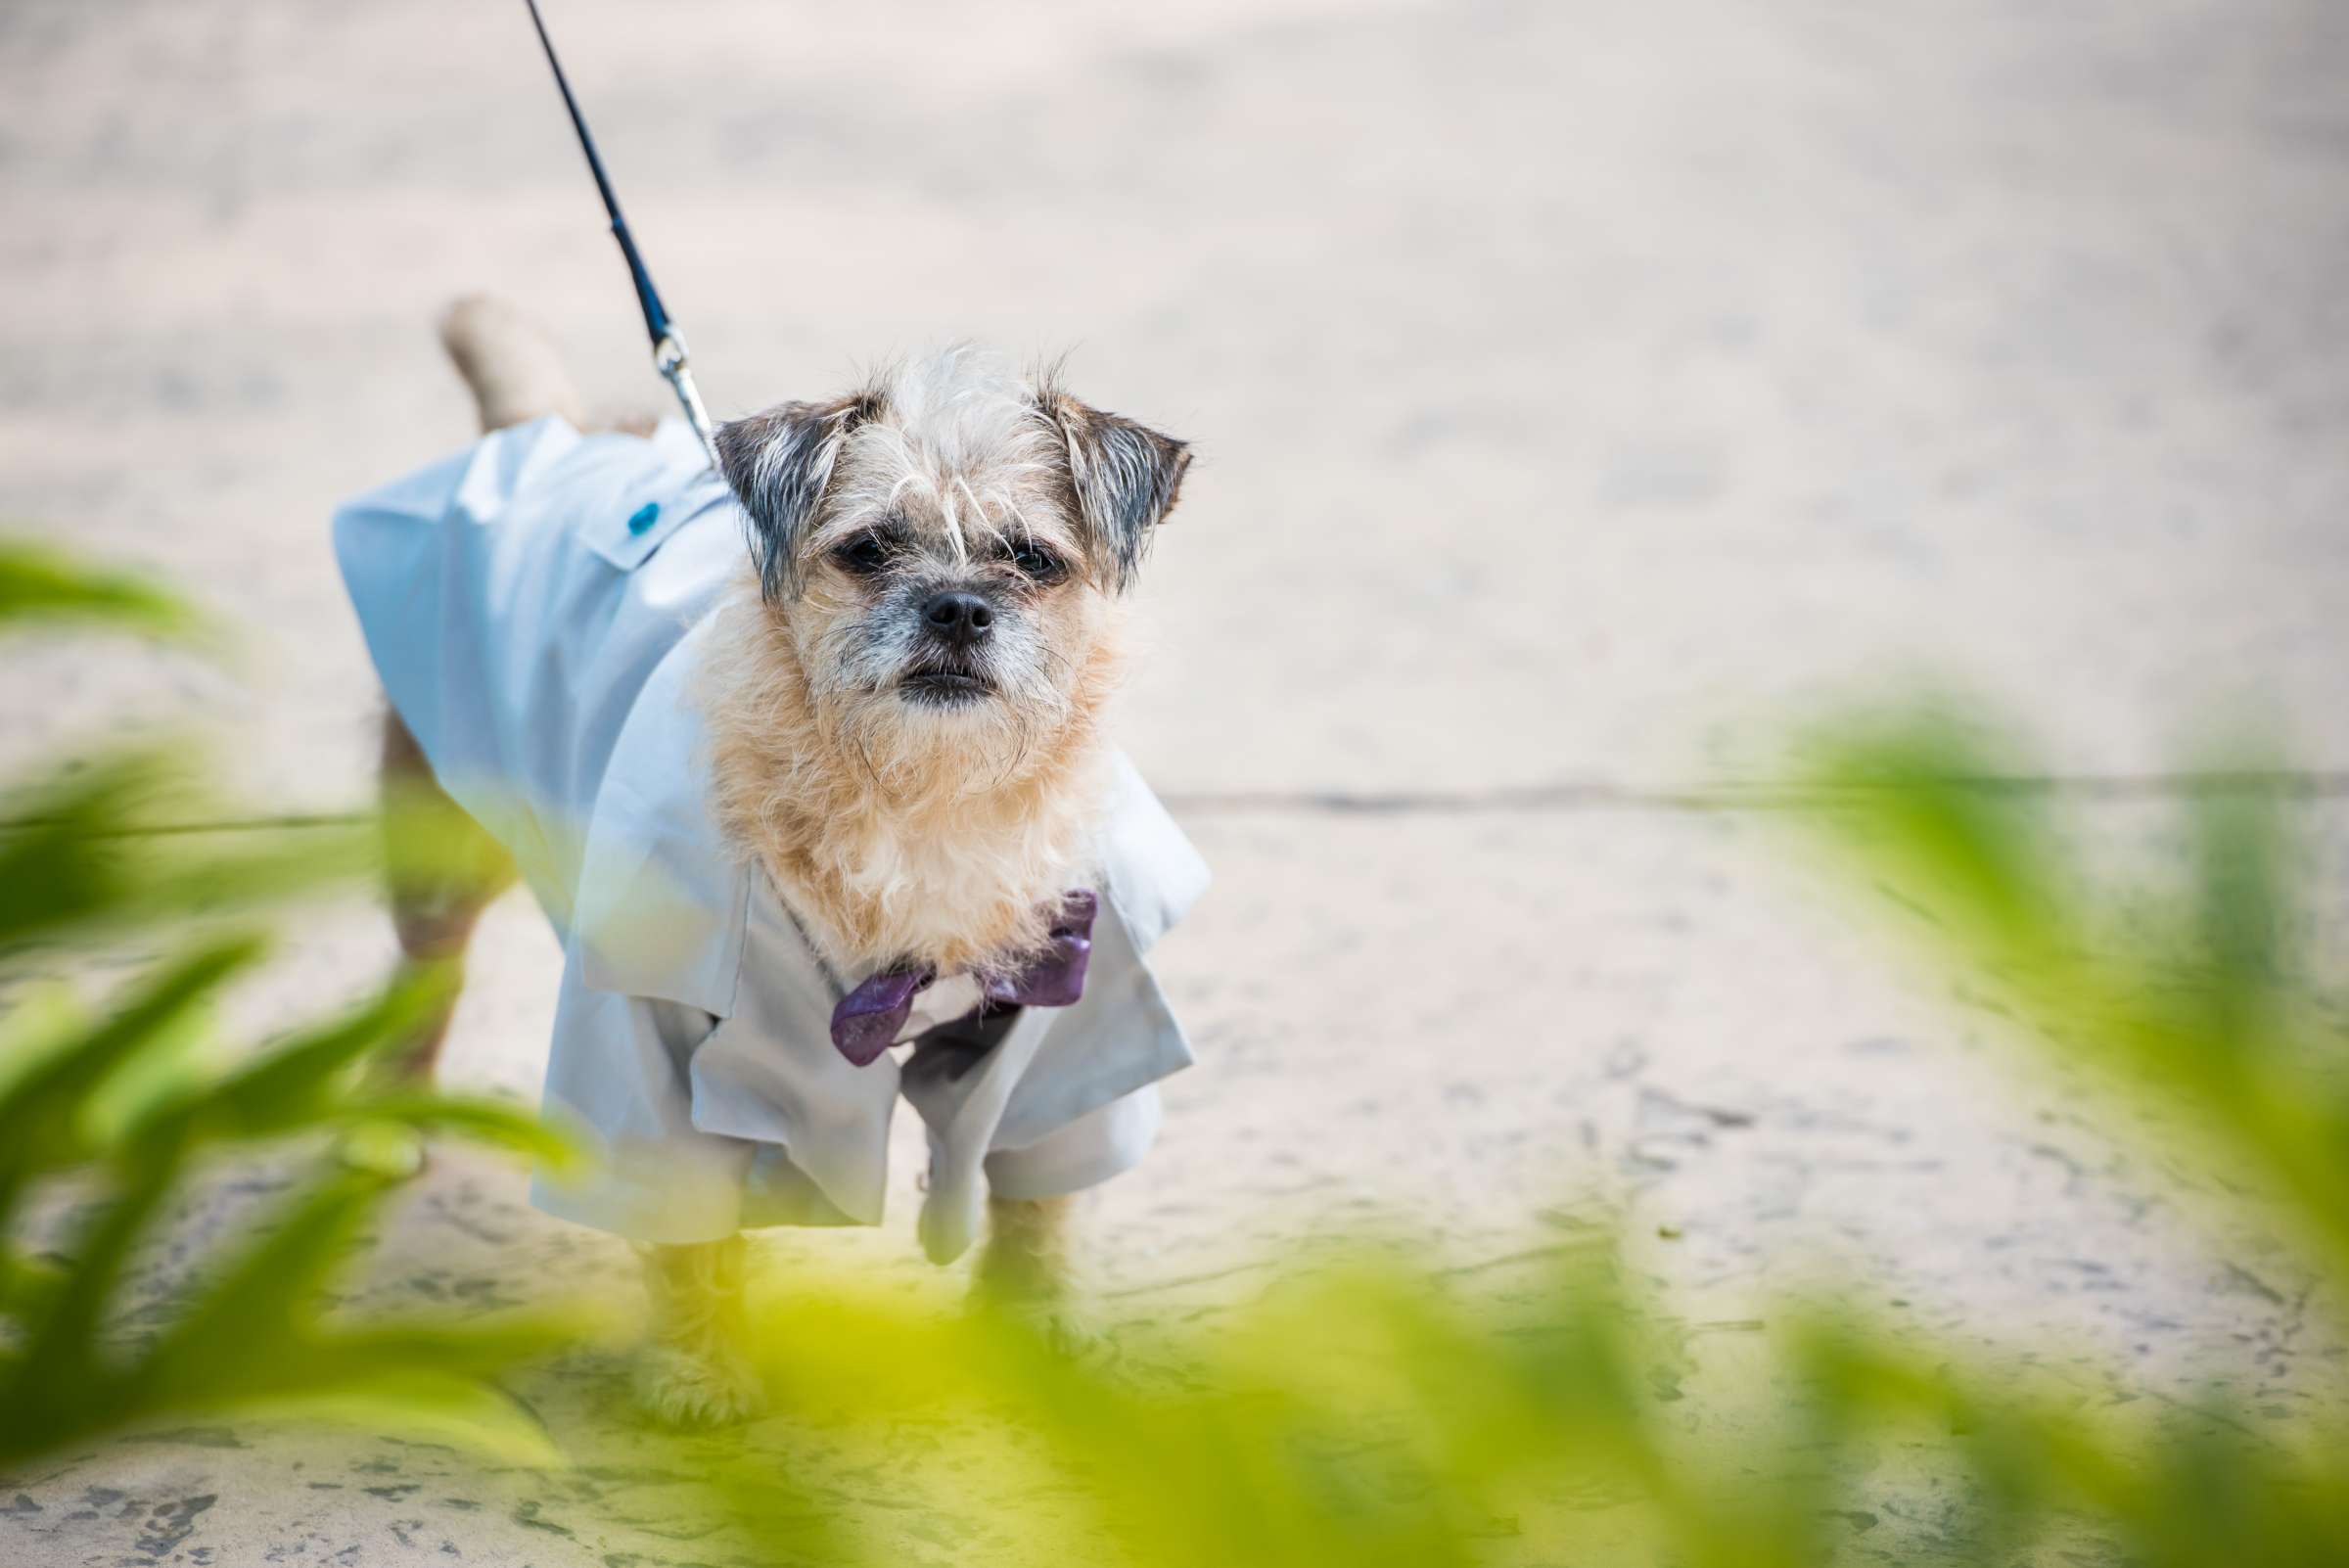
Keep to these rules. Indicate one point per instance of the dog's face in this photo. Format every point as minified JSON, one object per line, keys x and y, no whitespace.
{"x":944,"y":549}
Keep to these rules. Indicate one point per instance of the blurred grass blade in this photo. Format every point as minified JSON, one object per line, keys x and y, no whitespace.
{"x":115,"y":848}
{"x":242,"y":1328}
{"x":178,"y":1059}
{"x":27,"y":1284}
{"x":1914,"y":797}
{"x":78,"y":863}
{"x":60,"y":1388}
{"x":483,"y":1121}
{"x":39,"y":584}
{"x":308,"y":1078}
{"x":419,"y":1399}
{"x":252,"y":1338}
{"x":2241,"y":906}
{"x":60,"y":864}
{"x":2185,"y":1015}
{"x":43,"y":1111}
{"x":44,"y":1020}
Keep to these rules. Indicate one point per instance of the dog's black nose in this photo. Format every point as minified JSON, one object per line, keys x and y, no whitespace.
{"x":963,"y":619}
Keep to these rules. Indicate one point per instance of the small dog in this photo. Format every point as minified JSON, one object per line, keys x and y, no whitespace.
{"x":903,"y":700}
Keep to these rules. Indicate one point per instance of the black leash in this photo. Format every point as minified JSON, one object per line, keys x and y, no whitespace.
{"x":668,"y":343}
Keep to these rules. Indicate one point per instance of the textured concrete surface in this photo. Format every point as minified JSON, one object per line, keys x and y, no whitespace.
{"x":1583,"y":393}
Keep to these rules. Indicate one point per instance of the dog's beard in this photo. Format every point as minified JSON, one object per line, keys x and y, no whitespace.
{"x":938,"y":737}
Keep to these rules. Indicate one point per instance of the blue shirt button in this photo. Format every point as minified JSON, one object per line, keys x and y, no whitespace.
{"x":644,"y":516}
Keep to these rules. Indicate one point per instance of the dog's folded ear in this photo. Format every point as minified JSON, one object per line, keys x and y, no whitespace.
{"x":1126,"y":477}
{"x":779,"y":463}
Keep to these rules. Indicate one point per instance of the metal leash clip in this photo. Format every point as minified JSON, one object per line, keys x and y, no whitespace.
{"x":671,"y":359}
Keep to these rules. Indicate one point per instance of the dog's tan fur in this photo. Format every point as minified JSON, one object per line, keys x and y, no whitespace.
{"x":901,"y":832}
{"x":917,"y":866}
{"x":905,"y":858}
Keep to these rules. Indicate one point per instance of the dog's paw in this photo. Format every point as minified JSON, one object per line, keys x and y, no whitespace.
{"x":1052,"y":1311}
{"x":691,"y":1388}
{"x":1070,"y":1331}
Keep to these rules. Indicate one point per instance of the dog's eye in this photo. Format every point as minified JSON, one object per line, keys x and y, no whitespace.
{"x":864,"y":555}
{"x":1038,"y":563}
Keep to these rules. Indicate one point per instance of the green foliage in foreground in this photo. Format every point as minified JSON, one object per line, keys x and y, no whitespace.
{"x":39,"y":584}
{"x":123,"y":1102}
{"x":1362,"y":1414}
{"x":1369,"y":1414}
{"x":2195,"y":1006}
{"x":1359,"y":1413}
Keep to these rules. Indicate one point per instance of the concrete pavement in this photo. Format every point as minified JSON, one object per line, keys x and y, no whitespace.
{"x":1583,"y":394}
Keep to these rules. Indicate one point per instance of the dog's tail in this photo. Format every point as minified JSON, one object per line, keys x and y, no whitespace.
{"x":508,"y":361}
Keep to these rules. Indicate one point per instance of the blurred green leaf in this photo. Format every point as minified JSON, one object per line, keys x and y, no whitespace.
{"x":312,"y":1073}
{"x":2185,"y":1015}
{"x":42,"y":1122}
{"x":81,"y":859}
{"x":483,"y":1121}
{"x":250,"y":1340}
{"x":129,"y":1097}
{"x":244,"y":1326}
{"x":39,"y":584}
{"x":1917,"y":799}
{"x":416,"y":1391}
{"x":58,"y":1389}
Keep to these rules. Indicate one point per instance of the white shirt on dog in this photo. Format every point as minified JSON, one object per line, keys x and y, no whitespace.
{"x":534,"y":606}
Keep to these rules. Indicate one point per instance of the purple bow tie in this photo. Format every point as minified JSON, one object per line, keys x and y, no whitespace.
{"x":867,"y":1020}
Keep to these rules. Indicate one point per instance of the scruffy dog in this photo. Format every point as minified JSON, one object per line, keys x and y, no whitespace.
{"x":893,"y":630}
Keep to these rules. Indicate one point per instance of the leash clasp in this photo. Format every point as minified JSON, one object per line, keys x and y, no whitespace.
{"x":671,"y":359}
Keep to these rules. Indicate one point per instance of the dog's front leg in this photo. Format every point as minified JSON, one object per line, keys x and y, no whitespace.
{"x":696,"y":1370}
{"x":1027,"y":1252}
{"x":1026,"y":1269}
